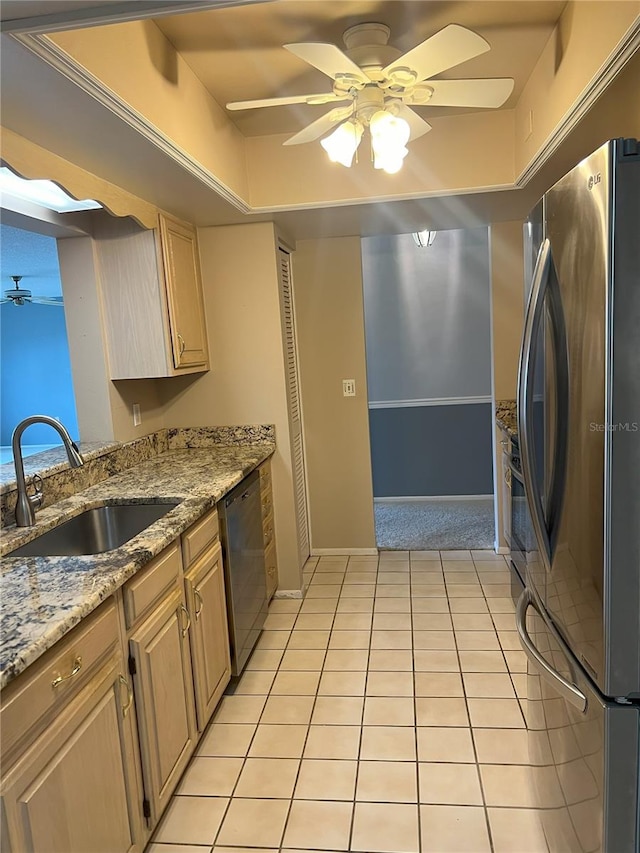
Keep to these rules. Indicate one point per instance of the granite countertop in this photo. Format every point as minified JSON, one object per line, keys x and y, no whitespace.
{"x":506,"y":417}
{"x":44,"y":597}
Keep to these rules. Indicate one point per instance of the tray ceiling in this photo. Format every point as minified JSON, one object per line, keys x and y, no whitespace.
{"x":237,"y":52}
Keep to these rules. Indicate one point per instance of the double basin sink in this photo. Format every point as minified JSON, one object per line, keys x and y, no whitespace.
{"x":95,"y":530}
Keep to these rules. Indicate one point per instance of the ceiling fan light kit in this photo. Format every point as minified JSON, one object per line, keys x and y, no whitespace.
{"x":383,"y":85}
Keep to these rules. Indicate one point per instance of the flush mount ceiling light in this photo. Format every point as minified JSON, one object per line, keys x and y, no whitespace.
{"x":381,"y":85}
{"x":424,"y":239}
{"x":44,"y":193}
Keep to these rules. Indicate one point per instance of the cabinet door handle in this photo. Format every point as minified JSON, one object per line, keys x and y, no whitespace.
{"x":127,"y":706}
{"x":507,"y":477}
{"x":198,"y":597}
{"x":77,"y":666}
{"x":183,"y":609}
{"x":182,"y":344}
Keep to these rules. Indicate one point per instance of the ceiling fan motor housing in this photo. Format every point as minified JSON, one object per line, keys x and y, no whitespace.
{"x":367,"y":47}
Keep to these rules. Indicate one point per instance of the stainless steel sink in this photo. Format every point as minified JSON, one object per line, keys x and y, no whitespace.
{"x":95,"y":531}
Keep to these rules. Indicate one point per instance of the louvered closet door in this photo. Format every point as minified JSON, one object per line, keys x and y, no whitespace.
{"x":295,"y":416}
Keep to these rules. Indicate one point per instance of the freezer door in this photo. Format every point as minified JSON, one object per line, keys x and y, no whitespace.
{"x":583,"y":751}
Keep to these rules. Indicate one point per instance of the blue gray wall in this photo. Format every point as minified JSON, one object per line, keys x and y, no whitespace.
{"x":35,"y":375}
{"x":428,"y":338}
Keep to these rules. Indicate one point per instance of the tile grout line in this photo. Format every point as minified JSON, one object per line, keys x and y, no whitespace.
{"x":473,"y":740}
{"x":364,"y":704}
{"x":412,"y":580}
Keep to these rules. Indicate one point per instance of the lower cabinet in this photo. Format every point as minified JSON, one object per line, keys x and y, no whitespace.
{"x":71,"y":789}
{"x":161,"y":667}
{"x":79,"y":725}
{"x":204,"y":586}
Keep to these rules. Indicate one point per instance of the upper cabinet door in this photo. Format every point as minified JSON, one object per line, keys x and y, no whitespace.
{"x":151,"y":295}
{"x":184,"y":293}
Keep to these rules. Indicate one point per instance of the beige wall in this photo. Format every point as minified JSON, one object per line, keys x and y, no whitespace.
{"x":89,"y":365}
{"x":137,"y":62}
{"x":587,"y":34}
{"x":465,"y":153}
{"x":246,"y":383}
{"x":507,"y":295}
{"x":507,"y":318}
{"x":148,"y":395}
{"x":327,"y":280}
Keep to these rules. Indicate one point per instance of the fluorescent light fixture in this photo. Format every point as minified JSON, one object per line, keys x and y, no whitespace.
{"x":424,"y":238}
{"x":341,"y":145}
{"x":45,"y":193}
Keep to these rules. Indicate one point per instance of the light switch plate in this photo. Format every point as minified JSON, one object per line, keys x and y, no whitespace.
{"x":348,"y":387}
{"x":137,"y":415}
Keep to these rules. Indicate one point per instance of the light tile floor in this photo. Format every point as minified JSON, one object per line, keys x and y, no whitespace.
{"x":382,"y":714}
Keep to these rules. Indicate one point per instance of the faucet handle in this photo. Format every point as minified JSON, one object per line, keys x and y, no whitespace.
{"x":37,"y":497}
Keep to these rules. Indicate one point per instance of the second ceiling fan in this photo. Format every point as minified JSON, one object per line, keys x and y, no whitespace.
{"x":380,"y":86}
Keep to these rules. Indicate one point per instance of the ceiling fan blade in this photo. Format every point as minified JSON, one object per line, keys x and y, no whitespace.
{"x":320,"y":126}
{"x":327,"y":58}
{"x":323,"y":98}
{"x":417,"y":124}
{"x":448,"y":47}
{"x":48,"y":300}
{"x":491,"y":93}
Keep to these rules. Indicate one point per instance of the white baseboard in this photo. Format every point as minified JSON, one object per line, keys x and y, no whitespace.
{"x":346,"y":552}
{"x":288,"y":593}
{"x":427,"y":498}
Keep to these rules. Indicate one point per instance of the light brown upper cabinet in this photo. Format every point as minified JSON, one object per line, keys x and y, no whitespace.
{"x":152,"y":298}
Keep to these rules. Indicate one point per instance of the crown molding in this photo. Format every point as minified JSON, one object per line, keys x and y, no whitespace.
{"x":623,"y":52}
{"x":112,"y":13}
{"x":49,"y":52}
{"x":54,"y":56}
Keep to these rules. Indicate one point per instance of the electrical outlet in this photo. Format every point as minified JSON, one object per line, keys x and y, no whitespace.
{"x":348,"y":387}
{"x":137,"y":415}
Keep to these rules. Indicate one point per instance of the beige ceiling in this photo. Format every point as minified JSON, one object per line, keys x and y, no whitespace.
{"x":237,"y":52}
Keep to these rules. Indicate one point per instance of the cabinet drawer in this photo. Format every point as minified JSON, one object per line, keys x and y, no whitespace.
{"x":48,"y":684}
{"x":271,"y":569}
{"x":265,"y":475}
{"x":266,"y":500}
{"x":268,"y":530}
{"x":199,"y":536}
{"x":151,"y":584}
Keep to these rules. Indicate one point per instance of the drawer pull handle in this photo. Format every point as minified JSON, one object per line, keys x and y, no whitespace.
{"x":77,"y":666}
{"x":183,"y":609}
{"x":127,"y":707}
{"x":198,"y":598}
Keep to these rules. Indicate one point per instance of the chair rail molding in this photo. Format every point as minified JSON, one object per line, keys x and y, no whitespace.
{"x":429,"y":401}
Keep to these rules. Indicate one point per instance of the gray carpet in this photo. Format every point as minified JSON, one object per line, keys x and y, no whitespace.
{"x":434,"y":525}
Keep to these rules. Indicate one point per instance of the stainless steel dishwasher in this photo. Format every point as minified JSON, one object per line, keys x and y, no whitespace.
{"x":240,"y":515}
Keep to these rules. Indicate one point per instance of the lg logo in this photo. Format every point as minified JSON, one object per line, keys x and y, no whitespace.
{"x":594,"y":179}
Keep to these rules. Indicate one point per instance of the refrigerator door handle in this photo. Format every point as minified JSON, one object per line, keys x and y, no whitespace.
{"x":533,"y":320}
{"x":567,"y":690}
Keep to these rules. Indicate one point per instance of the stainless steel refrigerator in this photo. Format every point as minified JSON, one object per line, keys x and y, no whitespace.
{"x":579,"y":432}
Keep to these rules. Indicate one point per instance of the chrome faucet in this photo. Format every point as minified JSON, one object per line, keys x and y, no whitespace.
{"x":28,"y":504}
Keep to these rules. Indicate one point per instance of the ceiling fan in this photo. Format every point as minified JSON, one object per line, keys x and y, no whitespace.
{"x":20,"y":296}
{"x":381,"y":85}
